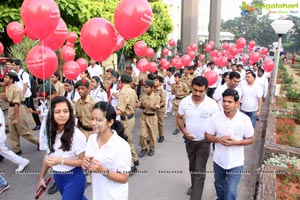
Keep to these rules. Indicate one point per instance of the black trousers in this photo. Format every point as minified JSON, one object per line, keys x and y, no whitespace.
{"x":29,"y":103}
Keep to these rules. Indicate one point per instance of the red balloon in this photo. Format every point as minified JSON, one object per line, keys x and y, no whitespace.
{"x":225,"y":46}
{"x":263,"y":55}
{"x":98,"y":38}
{"x":163,"y":60}
{"x":120,"y":43}
{"x":165,"y":51}
{"x":171,"y":42}
{"x":83,"y":64}
{"x":132,"y":18}
{"x":240,"y":43}
{"x":1,"y":48}
{"x":202,"y":57}
{"x":264,"y":50}
{"x":57,"y":38}
{"x":192,"y":54}
{"x":268,"y":65}
{"x":149,"y":52}
{"x":174,"y":61}
{"x":233,"y":50}
{"x":254,"y":57}
{"x":252,"y":44}
{"x":71,"y":70}
{"x":166,"y":65}
{"x":212,"y":43}
{"x":41,"y":62}
{"x":199,"y":64}
{"x":142,"y":65}
{"x":223,"y":61}
{"x":211,"y":77}
{"x":140,"y":48}
{"x":193,"y":47}
{"x":15,"y":31}
{"x":69,"y":44}
{"x":245,"y":58}
{"x":208,"y":47}
{"x":67,"y":53}
{"x":72,"y":37}
{"x":186,"y":60}
{"x":152,"y":67}
{"x":40,"y":17}
{"x":189,"y":48}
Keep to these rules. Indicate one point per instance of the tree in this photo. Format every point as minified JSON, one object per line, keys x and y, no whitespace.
{"x":292,"y":39}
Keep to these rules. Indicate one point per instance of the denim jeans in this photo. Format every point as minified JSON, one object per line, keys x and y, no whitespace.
{"x":2,"y":181}
{"x":226,"y":182}
{"x":252,"y":116}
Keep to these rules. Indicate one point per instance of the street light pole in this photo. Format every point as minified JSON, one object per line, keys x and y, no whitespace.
{"x":274,"y":78}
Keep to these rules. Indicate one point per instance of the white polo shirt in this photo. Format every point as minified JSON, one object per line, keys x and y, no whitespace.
{"x":98,"y":94}
{"x":196,"y":116}
{"x":114,"y":155}
{"x":218,"y":94}
{"x":239,"y":128}
{"x":250,"y":95}
{"x":78,"y":146}
{"x":95,"y":71}
{"x":264,"y":84}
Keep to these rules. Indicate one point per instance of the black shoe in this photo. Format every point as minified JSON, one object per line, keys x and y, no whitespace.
{"x":143,"y":152}
{"x":189,"y":191}
{"x":19,"y":153}
{"x":53,"y":189}
{"x":136,"y":163}
{"x":161,"y":139}
{"x":133,"y":170}
{"x":151,"y":152}
{"x":1,"y":158}
{"x":176,"y":132}
{"x":37,"y":127}
{"x":38,"y":147}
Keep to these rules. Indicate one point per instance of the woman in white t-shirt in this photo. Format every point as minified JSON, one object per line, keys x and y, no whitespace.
{"x":97,"y":90}
{"x":107,"y":155}
{"x":66,"y":146}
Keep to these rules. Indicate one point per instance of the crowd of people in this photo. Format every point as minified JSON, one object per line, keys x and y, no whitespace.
{"x":87,"y":124}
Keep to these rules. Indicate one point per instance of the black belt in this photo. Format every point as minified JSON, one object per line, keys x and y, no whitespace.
{"x":149,"y":114}
{"x":162,"y":106}
{"x":13,"y":104}
{"x":124,"y":118}
{"x":179,"y":97}
{"x":86,"y":128}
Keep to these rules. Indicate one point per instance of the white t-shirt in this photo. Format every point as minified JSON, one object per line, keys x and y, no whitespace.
{"x":114,"y":155}
{"x":95,"y":71}
{"x":75,"y":94}
{"x":238,"y":128}
{"x":24,"y":79}
{"x":250,"y":95}
{"x":172,"y":81}
{"x":43,"y":108}
{"x":98,"y":94}
{"x":2,"y":128}
{"x":114,"y":90}
{"x":218,"y":94}
{"x":196,"y":115}
{"x":78,"y":146}
{"x":264,"y":84}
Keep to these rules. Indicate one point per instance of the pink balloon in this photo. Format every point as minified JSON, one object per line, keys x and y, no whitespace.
{"x":202,"y":57}
{"x":254,"y":57}
{"x":225,"y":46}
{"x":268,"y":65}
{"x":98,"y":38}
{"x":29,"y":34}
{"x":140,"y":48}
{"x":178,"y":64}
{"x":1,"y":48}
{"x":40,"y":17}
{"x":15,"y":31}
{"x":67,"y":53}
{"x":142,"y":65}
{"x":120,"y":43}
{"x":163,"y":60}
{"x":245,"y":58}
{"x":41,"y":62}
{"x":263,"y":55}
{"x":189,"y":48}
{"x":152,"y":67}
{"x":83,"y":64}
{"x":192,"y":54}
{"x":171,"y":42}
{"x":208,"y":47}
{"x":223,"y":61}
{"x":193,"y":47}
{"x":149,"y":52}
{"x":57,"y":38}
{"x":252,"y":44}
{"x":241,"y":43}
{"x":233,"y":50}
{"x":69,"y":44}
{"x":71,"y":70}
{"x":199,"y":64}
{"x":264,"y":50}
{"x":165,"y":51}
{"x":212,"y":43}
{"x":72,"y":37}
{"x":173,"y":61}
{"x":186,"y":60}
{"x":132,"y":18}
{"x":164,"y":63}
{"x":211,"y":77}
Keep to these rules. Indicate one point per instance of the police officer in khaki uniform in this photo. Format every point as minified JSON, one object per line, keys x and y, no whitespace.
{"x":127,"y":102}
{"x":158,"y":82}
{"x":180,"y":90}
{"x":17,"y":114}
{"x":161,"y":72}
{"x":187,"y":78}
{"x":149,"y":103}
{"x":84,"y":107}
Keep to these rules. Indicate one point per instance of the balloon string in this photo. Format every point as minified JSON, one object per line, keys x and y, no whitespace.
{"x":119,"y":67}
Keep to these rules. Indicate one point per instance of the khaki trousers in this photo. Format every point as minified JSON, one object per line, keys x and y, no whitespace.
{"x":149,"y":129}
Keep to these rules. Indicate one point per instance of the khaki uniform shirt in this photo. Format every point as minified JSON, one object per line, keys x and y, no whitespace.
{"x":181,"y":87}
{"x":127,"y":100}
{"x":15,"y":95}
{"x":84,"y":110}
{"x":59,"y":87}
{"x":153,"y":99}
{"x":187,"y":81}
{"x":135,"y":81}
{"x":162,"y":73}
{"x":162,"y":94}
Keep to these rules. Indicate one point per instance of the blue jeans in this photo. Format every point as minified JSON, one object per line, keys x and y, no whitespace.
{"x":71,"y":185}
{"x":2,"y":181}
{"x":252,"y":116}
{"x":227,"y":181}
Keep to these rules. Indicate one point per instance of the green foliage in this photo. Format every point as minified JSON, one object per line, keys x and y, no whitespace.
{"x":293,"y":94}
{"x":282,"y":160}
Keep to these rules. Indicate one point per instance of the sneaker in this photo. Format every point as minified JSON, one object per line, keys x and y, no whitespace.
{"x":161,"y":139}
{"x":133,"y":170}
{"x":4,"y":187}
{"x":1,"y":158}
{"x":136,"y":163}
{"x":176,"y":132}
{"x":189,"y":191}
{"x":151,"y":153}
{"x":37,"y":127}
{"x":22,"y":165}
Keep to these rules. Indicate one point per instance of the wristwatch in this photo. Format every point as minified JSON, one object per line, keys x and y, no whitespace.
{"x":106,"y":173}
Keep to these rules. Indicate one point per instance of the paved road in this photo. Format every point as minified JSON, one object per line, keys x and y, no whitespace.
{"x":162,"y":177}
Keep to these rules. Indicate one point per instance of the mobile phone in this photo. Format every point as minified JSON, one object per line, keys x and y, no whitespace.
{"x":41,"y":189}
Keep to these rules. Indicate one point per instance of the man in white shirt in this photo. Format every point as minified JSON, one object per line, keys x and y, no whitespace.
{"x":262,"y":82}
{"x":168,"y":82}
{"x":24,"y":85}
{"x":230,"y":130}
{"x":95,"y":69}
{"x":211,"y":89}
{"x":196,"y":108}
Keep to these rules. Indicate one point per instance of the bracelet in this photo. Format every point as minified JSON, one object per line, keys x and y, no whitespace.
{"x":106,"y":173}
{"x":62,"y":161}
